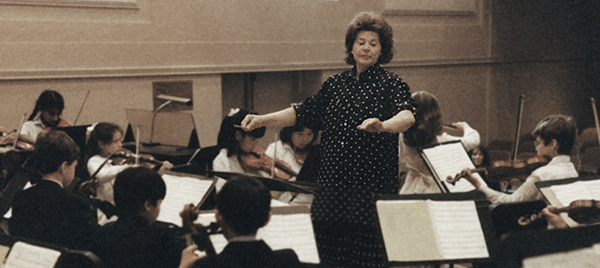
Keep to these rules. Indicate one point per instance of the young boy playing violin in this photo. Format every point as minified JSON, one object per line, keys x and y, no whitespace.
{"x":554,"y":139}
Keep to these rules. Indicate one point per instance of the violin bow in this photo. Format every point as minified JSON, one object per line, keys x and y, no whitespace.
{"x":19,"y":131}
{"x":519,"y":119}
{"x":81,"y":108}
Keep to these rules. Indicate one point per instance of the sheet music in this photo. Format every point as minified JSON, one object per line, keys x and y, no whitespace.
{"x":448,"y":160}
{"x":293,"y":231}
{"x":426,"y":230}
{"x":23,"y":255}
{"x":567,"y":193}
{"x":181,"y":191}
{"x":458,"y":230}
{"x":407,"y":230}
{"x":284,"y":231}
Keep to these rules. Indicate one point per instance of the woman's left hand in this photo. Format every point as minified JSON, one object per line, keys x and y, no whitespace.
{"x":373,"y":125}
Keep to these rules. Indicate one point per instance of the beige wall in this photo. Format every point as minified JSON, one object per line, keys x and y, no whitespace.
{"x":476,"y":58}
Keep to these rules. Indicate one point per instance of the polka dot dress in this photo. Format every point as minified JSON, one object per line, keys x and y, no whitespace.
{"x":354,"y":164}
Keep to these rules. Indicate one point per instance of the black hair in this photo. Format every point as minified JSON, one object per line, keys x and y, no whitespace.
{"x":245,"y":204}
{"x":229,"y":126}
{"x":285,"y":134}
{"x":134,"y":186}
{"x":561,"y":128}
{"x":48,"y":100}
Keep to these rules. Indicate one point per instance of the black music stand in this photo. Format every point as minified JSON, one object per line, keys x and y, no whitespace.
{"x":515,"y":247}
{"x":482,"y":208}
{"x":79,"y":136}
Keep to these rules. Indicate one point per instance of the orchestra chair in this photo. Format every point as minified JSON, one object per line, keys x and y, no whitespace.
{"x":498,"y":155}
{"x":68,"y":258}
{"x":590,"y":161}
{"x":500,"y":144}
{"x":516,"y":246}
{"x":588,"y":137}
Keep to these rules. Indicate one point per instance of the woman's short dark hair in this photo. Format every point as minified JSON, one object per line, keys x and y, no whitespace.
{"x":48,"y":100}
{"x":103,"y":132}
{"x":369,"y":21}
{"x":429,"y":123}
{"x":245,"y":204}
{"x":51,"y":150}
{"x":285,"y":134}
{"x":226,"y":138}
{"x":134,"y":186}
{"x":561,"y":128}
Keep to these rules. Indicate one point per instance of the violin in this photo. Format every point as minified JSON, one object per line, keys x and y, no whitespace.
{"x":198,"y":234}
{"x":257,"y":160}
{"x":7,"y":139}
{"x":126,"y":157}
{"x":504,"y":170}
{"x":582,"y":211}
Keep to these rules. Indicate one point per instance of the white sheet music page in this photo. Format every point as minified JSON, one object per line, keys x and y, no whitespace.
{"x":448,"y":160}
{"x":23,"y":255}
{"x":291,"y":231}
{"x":458,"y":230}
{"x":567,"y":193}
{"x":181,"y":190}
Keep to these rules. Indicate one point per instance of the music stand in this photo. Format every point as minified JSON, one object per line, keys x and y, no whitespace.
{"x":482,"y":211}
{"x":515,"y":247}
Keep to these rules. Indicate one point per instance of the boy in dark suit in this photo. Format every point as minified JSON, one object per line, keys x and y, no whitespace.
{"x":243,"y":206}
{"x":47,"y":212}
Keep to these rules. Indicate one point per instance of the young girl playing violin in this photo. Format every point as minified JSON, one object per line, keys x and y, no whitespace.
{"x":427,"y":131}
{"x":236,"y":147}
{"x":554,"y":139}
{"x":293,"y":148}
{"x":105,"y":140}
{"x":49,"y":105}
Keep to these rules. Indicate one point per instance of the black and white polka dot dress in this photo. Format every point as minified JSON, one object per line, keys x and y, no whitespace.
{"x":354,"y":164}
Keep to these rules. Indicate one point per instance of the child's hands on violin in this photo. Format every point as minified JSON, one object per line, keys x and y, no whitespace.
{"x":554,"y":218}
{"x":465,"y":173}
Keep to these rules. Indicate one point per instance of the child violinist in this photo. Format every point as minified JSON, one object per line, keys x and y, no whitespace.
{"x":236,"y":146}
{"x":49,"y":106}
{"x":554,"y":139}
{"x":292,"y":148}
{"x":105,"y":140}
{"x":427,"y":131}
